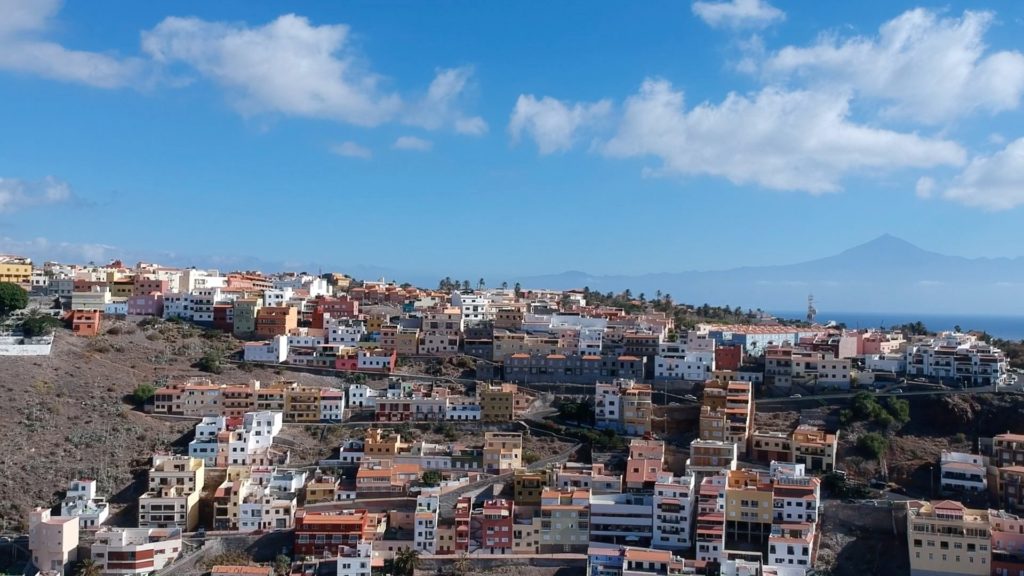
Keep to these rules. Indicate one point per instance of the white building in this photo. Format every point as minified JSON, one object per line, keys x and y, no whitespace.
{"x":306,"y":337}
{"x":621,"y":518}
{"x":203,"y":300}
{"x":332,"y":405}
{"x":957,"y":357}
{"x":204,"y":445}
{"x":287,"y":480}
{"x":370,"y":360}
{"x":675,"y":503}
{"x":178,"y":305}
{"x":356,"y":560}
{"x":273,"y":351}
{"x":81,"y":502}
{"x":52,"y":540}
{"x":362,"y":396}
{"x":135,"y":551}
{"x":962,"y":472}
{"x":247,"y":444}
{"x":277,"y":296}
{"x":791,"y":545}
{"x":264,"y":509}
{"x":344,"y":331}
{"x":463,"y":411}
{"x":475,"y":307}
{"x":676,"y":362}
{"x":425,"y":529}
{"x":891,"y":363}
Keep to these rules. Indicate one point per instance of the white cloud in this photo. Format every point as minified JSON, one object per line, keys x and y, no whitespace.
{"x":924,"y":187}
{"x":993,"y":182}
{"x":439,"y":107}
{"x":17,"y":194}
{"x":738,"y":13}
{"x":775,"y":139}
{"x":24,"y":49}
{"x":352,"y":150}
{"x":288,"y":66}
{"x":552,"y":123}
{"x":922,"y":67}
{"x":45,"y":249}
{"x":412,"y":143}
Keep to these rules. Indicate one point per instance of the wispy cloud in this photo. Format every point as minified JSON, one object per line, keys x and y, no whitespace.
{"x":352,"y":150}
{"x":16,"y":194}
{"x":738,"y":13}
{"x":412,"y":143}
{"x":553,"y":124}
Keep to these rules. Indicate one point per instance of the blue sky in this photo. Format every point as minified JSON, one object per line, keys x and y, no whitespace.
{"x":503,"y":138}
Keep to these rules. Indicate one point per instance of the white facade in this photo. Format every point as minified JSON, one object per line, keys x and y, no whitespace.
{"x":463,"y":412}
{"x":287,"y":480}
{"x":425,"y":529}
{"x":273,"y":351}
{"x":961,"y":472}
{"x":790,"y":545}
{"x":618,"y":517}
{"x":178,"y":305}
{"x":344,"y":331}
{"x":277,"y":297}
{"x":164,"y":545}
{"x":356,"y":561}
{"x":332,"y":405}
{"x":894,"y":363}
{"x":958,"y":357}
{"x":475,"y":307}
{"x":362,"y":396}
{"x":675,"y":501}
{"x":81,"y":501}
{"x":204,"y":445}
{"x":694,"y":366}
{"x":607,"y":405}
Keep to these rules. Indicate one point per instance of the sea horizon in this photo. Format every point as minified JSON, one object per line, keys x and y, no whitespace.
{"x":1007,"y":327}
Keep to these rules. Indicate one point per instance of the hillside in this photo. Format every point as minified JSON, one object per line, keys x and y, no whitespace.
{"x":65,"y":415}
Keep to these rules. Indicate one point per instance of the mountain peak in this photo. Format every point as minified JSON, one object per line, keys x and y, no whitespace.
{"x":888,"y":244}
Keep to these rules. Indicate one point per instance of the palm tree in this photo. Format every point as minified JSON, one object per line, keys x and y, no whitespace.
{"x":88,"y":567}
{"x":406,"y":561}
{"x":518,"y":290}
{"x":480,"y":284}
{"x":504,"y":285}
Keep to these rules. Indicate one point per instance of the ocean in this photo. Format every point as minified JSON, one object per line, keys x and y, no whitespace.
{"x":1005,"y":327}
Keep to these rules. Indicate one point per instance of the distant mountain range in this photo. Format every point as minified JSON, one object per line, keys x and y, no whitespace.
{"x":887,"y":274}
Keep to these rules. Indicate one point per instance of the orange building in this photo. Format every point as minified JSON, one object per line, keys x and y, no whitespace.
{"x":85,"y":322}
{"x":276,"y":321}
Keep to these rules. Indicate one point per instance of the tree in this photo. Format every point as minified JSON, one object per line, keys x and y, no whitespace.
{"x":12,"y":297}
{"x":465,"y":285}
{"x":518,"y":290}
{"x":210,"y":362}
{"x":37,"y":324}
{"x":480,"y":284}
{"x":406,"y":561}
{"x":873,"y":445}
{"x":88,"y":568}
{"x":462,"y":565}
{"x":282,"y":565}
{"x":431,"y":478}
{"x":143,"y":392}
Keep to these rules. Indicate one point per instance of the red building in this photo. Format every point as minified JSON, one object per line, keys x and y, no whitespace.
{"x":341,"y":307}
{"x":224,"y":317}
{"x":496,"y":522}
{"x":347,"y":359}
{"x":319,"y":533}
{"x":85,"y":322}
{"x":728,"y":357}
{"x":249,"y":281}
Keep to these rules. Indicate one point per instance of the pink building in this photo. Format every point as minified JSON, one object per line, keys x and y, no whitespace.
{"x":880,"y":343}
{"x":496,"y":522}
{"x":150,"y":304}
{"x":1007,"y":542}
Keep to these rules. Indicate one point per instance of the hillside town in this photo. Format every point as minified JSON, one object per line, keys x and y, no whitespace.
{"x":655,"y":460}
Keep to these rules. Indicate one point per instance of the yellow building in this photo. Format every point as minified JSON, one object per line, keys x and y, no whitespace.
{"x":503,"y":451}
{"x":322,"y":489}
{"x":172,"y":498}
{"x":748,"y":506}
{"x":16,"y":269}
{"x":497,"y":402}
{"x":302,"y":404}
{"x":529,"y":485}
{"x":377,"y":443}
{"x":948,"y":538}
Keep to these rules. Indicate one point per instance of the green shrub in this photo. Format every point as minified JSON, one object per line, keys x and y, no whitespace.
{"x":873,"y":445}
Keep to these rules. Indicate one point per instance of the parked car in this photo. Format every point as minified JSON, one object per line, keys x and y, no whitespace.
{"x":690,"y":397}
{"x":796,"y":396}
{"x":898,"y":391}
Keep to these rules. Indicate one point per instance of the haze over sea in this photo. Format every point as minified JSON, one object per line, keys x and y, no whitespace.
{"x":1006,"y":327}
